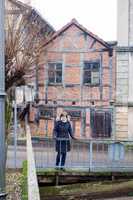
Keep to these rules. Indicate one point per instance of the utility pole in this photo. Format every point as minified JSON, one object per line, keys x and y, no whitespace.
{"x":2,"y":103}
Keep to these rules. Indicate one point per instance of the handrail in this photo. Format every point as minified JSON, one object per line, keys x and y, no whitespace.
{"x":92,"y":155}
{"x":85,"y":140}
{"x":33,"y":189}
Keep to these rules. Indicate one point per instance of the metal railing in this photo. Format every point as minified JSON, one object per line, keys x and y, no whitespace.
{"x":90,"y":155}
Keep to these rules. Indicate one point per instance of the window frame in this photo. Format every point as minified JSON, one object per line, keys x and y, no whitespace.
{"x":46,"y":112}
{"x":55,"y":71}
{"x":92,"y":62}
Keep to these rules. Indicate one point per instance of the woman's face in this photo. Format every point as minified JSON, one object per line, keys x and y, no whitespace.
{"x":64,"y":118}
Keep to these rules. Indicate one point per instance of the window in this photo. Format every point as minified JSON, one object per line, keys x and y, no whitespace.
{"x":101,"y":123}
{"x":55,"y":73}
{"x":92,"y":73}
{"x":75,"y":115}
{"x":46,"y":112}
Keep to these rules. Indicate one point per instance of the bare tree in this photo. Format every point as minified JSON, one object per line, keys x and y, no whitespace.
{"x":25,"y":35}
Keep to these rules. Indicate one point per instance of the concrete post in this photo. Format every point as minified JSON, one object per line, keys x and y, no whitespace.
{"x":2,"y":104}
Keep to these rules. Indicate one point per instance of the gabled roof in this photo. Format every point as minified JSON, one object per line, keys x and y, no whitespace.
{"x":75,"y":22}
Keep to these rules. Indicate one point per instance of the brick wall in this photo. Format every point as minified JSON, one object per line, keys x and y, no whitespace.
{"x":72,"y":48}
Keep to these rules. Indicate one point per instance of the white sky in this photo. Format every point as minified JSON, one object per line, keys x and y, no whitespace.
{"x":98,"y":16}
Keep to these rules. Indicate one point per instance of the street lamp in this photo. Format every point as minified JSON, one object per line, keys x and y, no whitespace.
{"x":2,"y":103}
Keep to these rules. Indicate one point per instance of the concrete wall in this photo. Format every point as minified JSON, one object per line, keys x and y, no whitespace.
{"x":122,"y":22}
{"x":122,"y":77}
{"x":121,"y":122}
{"x":124,"y":71}
{"x":130,"y":80}
{"x":130,"y":43}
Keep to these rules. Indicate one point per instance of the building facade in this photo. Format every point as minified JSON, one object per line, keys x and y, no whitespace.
{"x":77,"y":76}
{"x":87,"y":77}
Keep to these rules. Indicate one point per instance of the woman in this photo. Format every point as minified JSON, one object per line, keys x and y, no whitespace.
{"x":62,"y":132}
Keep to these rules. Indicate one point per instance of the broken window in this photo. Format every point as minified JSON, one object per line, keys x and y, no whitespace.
{"x":55,"y":73}
{"x":101,"y":123}
{"x":91,"y":73}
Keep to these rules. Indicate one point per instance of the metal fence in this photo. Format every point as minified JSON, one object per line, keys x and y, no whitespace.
{"x":90,"y":155}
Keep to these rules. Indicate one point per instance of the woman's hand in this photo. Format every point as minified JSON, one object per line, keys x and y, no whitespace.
{"x":74,"y":138}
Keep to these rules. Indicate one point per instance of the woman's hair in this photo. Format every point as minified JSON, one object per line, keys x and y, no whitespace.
{"x":63,"y":114}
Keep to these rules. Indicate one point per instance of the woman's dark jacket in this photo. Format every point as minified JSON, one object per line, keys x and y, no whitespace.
{"x":62,"y":132}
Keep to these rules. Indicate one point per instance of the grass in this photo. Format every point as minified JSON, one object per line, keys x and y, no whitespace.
{"x":24,"y":182}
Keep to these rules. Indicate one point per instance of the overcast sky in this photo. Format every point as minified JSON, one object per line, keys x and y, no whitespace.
{"x":98,"y":16}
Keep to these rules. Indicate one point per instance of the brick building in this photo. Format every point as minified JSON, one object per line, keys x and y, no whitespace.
{"x":77,"y":76}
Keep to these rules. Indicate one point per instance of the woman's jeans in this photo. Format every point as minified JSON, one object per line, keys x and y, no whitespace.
{"x":61,"y":157}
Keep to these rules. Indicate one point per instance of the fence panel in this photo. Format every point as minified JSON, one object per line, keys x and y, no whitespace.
{"x":91,"y":155}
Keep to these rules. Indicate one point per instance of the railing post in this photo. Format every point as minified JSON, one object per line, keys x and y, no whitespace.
{"x":2,"y":104}
{"x":91,"y":156}
{"x":15,"y":133}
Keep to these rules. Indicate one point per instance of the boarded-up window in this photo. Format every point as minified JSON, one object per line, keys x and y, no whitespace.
{"x":46,"y":112}
{"x":75,"y":115}
{"x":91,"y":73}
{"x":55,"y":73}
{"x":101,"y":123}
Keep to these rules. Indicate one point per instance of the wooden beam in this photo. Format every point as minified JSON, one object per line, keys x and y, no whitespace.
{"x":63,"y":70}
{"x":81,"y":76}
{"x":77,"y":107}
{"x":110,"y":76}
{"x":89,"y":100}
{"x":92,"y":44}
{"x":46,"y":82}
{"x":101,"y":77}
{"x":83,"y":122}
{"x":78,"y":51}
{"x":63,"y":75}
